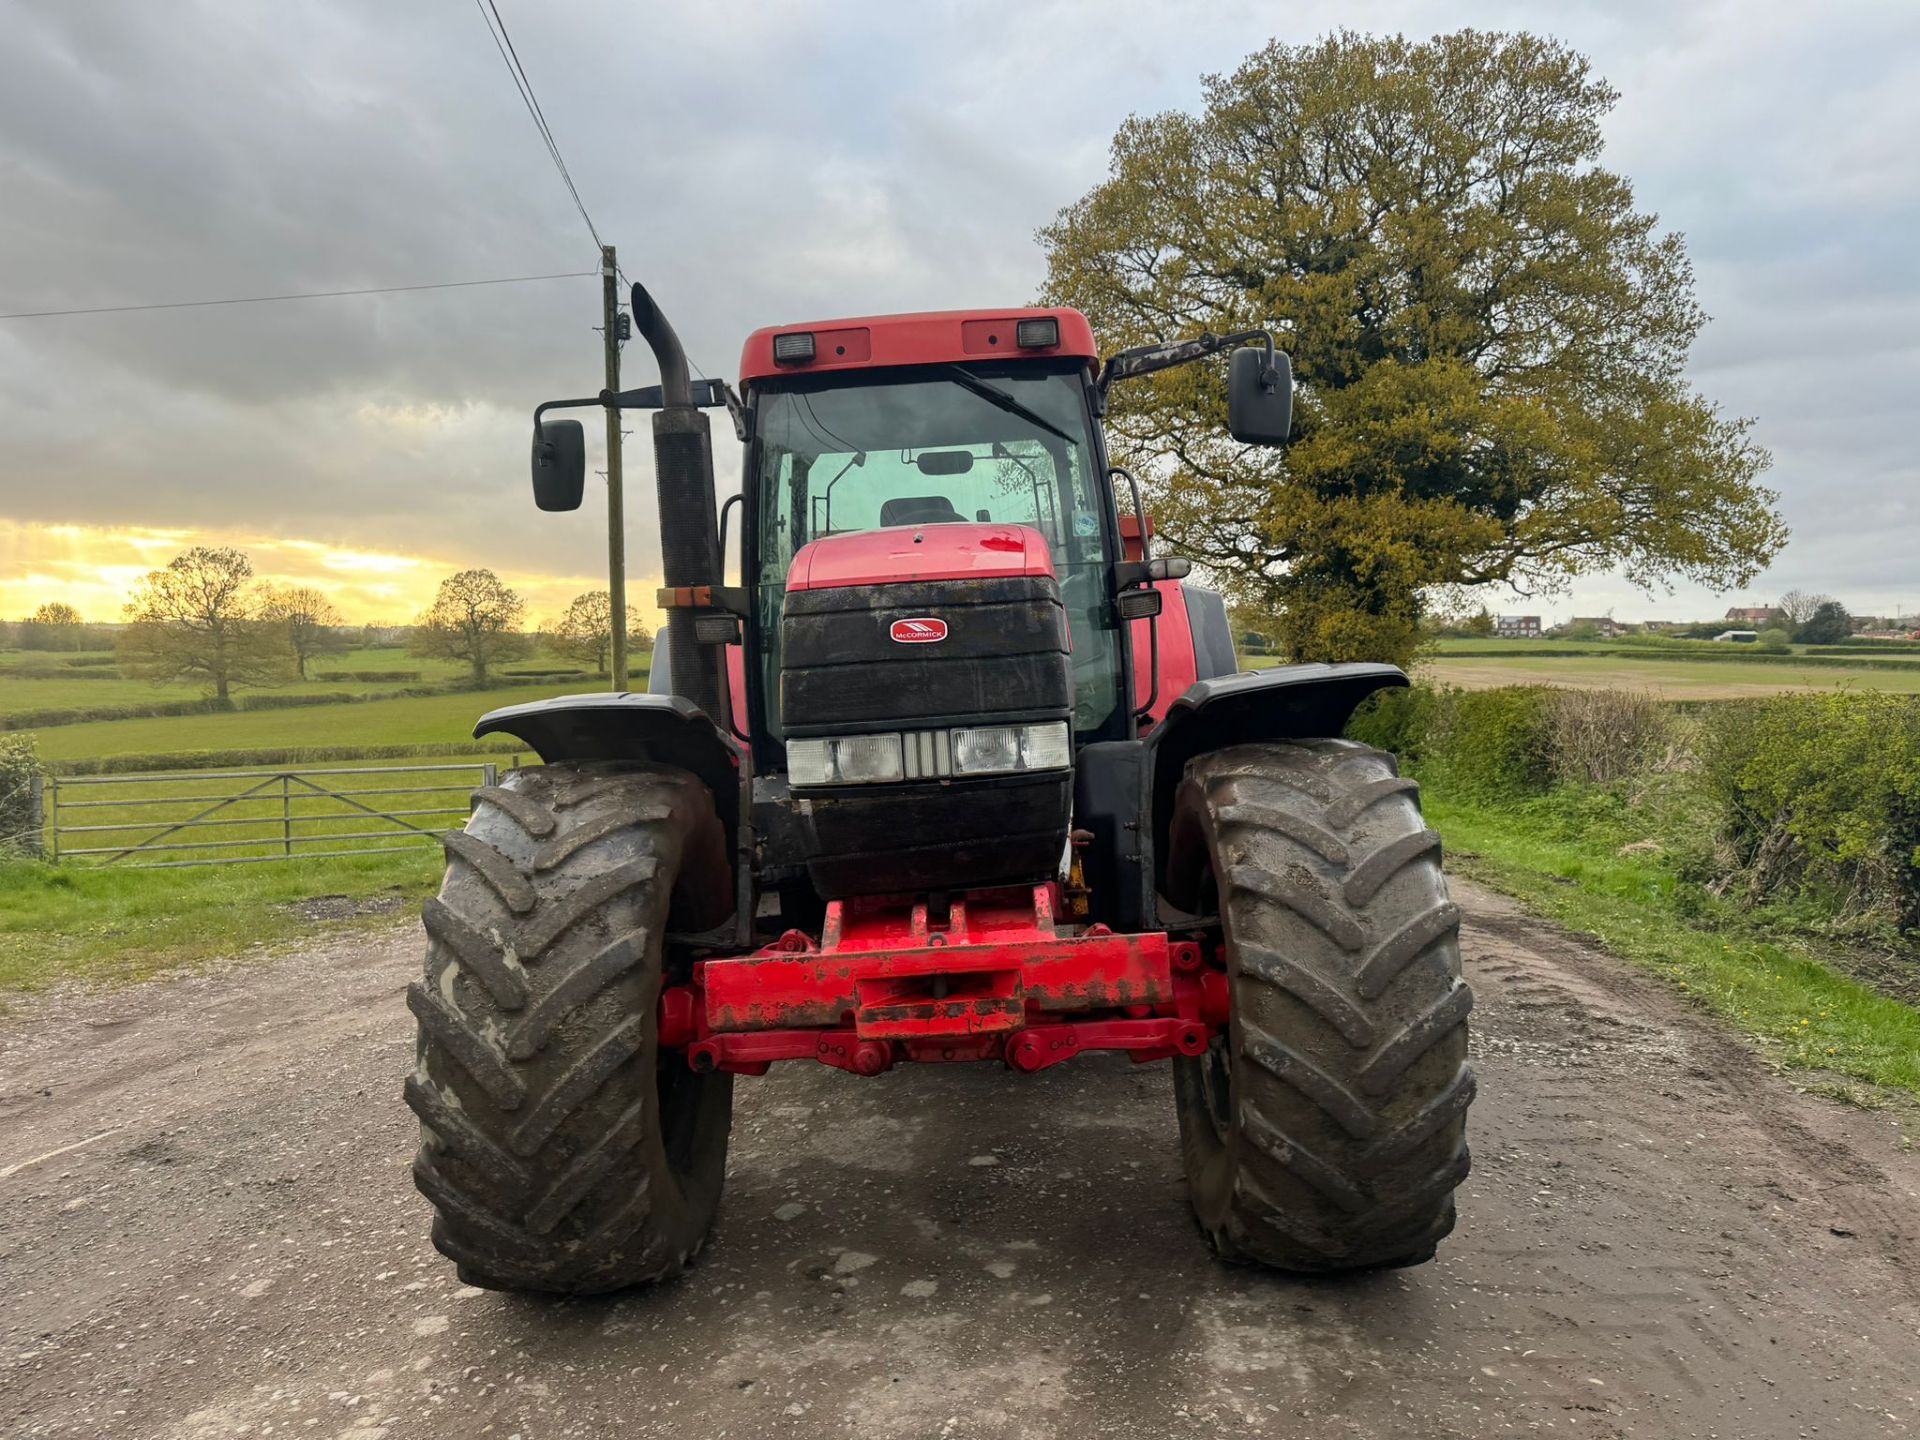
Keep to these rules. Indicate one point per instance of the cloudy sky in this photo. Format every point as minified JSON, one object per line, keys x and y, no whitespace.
{"x":773,"y":163}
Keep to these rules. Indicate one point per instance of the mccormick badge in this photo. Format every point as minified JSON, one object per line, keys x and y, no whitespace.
{"x":922,"y":631}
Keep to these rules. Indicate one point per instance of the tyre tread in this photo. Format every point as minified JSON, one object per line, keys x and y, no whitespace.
{"x":1350,"y":1082}
{"x":541,"y":1146}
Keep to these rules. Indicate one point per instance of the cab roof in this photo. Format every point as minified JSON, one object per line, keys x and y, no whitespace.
{"x":930,"y":338}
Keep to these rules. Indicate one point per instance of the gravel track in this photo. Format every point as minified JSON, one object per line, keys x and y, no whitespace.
{"x":207,"y":1229}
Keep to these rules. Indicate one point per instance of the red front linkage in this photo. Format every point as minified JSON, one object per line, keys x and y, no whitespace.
{"x":987,"y":976}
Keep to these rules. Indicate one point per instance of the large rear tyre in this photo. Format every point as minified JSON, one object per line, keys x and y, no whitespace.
{"x":1326,"y":1130}
{"x":561,"y":1152}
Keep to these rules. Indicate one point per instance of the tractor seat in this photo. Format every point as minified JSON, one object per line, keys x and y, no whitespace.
{"x":920,"y":510}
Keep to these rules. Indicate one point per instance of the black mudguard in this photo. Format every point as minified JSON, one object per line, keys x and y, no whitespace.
{"x":1286,"y":702}
{"x":1124,"y":789}
{"x":653,"y":729}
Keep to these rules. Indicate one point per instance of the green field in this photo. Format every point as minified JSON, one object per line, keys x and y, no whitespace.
{"x":421,"y":720}
{"x":31,"y":682}
{"x":102,"y":916}
{"x":34,"y":682}
{"x":86,"y":919}
{"x":1697,"y":670}
{"x":1641,"y":645}
{"x":1677,"y":678}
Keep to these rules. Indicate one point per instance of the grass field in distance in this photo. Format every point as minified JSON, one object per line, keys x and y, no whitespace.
{"x":1603,"y":665}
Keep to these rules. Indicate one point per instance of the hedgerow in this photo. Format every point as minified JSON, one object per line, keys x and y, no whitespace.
{"x":19,"y":821}
{"x":1821,"y":793}
{"x":1811,"y":798}
{"x":83,"y":714}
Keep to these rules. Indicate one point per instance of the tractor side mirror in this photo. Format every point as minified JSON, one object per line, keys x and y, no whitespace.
{"x":559,"y":464}
{"x":1259,"y":399}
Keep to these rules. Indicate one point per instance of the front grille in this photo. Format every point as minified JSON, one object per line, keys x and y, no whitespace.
{"x":929,"y":753}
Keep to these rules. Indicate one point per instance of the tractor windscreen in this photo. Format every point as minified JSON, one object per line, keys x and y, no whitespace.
{"x":1000,"y":443}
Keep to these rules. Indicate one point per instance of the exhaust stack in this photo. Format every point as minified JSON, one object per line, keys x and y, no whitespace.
{"x":689,"y":528}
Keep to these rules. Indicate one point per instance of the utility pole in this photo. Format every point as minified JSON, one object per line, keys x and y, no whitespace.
{"x":616,"y":509}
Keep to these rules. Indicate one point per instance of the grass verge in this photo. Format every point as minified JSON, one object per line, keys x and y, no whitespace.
{"x":1804,"y":1015}
{"x":69,"y":922}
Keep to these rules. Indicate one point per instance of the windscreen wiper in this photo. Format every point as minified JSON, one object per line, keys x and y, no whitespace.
{"x":999,"y":398}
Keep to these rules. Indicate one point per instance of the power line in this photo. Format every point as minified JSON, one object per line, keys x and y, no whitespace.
{"x":510,"y":57}
{"x":503,"y":42}
{"x":302,"y":295}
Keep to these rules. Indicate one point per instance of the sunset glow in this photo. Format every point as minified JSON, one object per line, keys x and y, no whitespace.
{"x":95,"y":569}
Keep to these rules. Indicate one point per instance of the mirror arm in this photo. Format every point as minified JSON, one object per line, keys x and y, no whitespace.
{"x":736,"y":409}
{"x":706,"y":395}
{"x":541,"y":410}
{"x":1145,"y":359}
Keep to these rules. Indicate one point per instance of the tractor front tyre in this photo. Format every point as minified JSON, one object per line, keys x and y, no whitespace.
{"x":1326,"y":1130}
{"x":561,"y":1150}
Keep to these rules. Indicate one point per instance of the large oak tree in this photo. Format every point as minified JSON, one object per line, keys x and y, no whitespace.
{"x":1490,"y":339}
{"x":199,"y":619}
{"x":475,"y":618}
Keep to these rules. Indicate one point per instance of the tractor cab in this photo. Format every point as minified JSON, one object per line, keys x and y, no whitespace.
{"x":936,"y":588}
{"x":951,"y":455}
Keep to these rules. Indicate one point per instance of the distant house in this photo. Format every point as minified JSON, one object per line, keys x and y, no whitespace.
{"x":1517,"y":627}
{"x":1762,"y":617}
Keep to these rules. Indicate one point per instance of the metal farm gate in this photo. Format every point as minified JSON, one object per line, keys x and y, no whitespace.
{"x":247,"y":816}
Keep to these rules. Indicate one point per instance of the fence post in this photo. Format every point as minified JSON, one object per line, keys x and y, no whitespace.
{"x":53,"y":832}
{"x":36,"y":830}
{"x":489,"y":774}
{"x":286,"y":814}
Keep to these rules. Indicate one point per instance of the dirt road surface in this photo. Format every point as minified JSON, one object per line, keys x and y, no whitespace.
{"x":207,"y":1229}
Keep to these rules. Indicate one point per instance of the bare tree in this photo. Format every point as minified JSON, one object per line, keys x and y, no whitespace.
{"x":1799,"y":606}
{"x":199,"y":619}
{"x":474,"y":618}
{"x":305,"y":620}
{"x":585,"y":632}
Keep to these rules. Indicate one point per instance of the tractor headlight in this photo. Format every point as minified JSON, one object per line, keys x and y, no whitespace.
{"x":847,"y":760}
{"x":1007,"y":749}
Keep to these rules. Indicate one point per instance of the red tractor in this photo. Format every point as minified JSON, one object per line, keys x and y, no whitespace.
{"x":959,"y":772}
